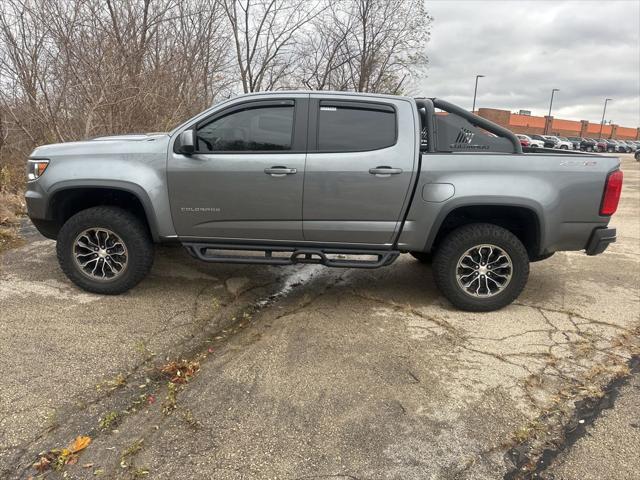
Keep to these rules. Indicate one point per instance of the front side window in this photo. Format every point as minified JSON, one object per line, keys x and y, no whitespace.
{"x":355,"y":127}
{"x":254,"y":129}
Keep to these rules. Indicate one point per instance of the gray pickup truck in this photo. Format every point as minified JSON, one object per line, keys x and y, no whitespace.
{"x":341,"y":179}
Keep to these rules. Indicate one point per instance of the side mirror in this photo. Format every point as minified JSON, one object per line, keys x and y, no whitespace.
{"x":186,"y":142}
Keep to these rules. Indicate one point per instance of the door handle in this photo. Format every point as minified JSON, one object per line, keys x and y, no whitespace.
{"x":279,"y":171}
{"x":384,"y":170}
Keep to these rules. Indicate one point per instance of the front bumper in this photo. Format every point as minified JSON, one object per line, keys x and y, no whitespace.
{"x":600,"y":240}
{"x":36,"y":200}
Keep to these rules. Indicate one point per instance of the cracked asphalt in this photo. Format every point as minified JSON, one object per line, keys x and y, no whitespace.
{"x":308,"y":372}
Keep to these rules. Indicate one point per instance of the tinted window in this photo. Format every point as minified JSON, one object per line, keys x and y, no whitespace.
{"x":345,"y":127}
{"x":253,"y":129}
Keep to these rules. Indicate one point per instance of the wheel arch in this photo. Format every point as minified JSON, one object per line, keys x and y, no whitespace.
{"x":523,"y":220}
{"x":69,"y":197}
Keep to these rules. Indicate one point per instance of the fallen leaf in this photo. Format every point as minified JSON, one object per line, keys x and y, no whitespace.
{"x":180,"y":371}
{"x":42,"y":464}
{"x":80,"y":443}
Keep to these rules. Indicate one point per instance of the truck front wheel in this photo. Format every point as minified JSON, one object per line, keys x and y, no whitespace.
{"x":104,"y":250}
{"x":481,"y":267}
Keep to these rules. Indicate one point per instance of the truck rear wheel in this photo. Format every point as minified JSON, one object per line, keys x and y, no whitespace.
{"x":481,"y":267}
{"x":104,"y":250}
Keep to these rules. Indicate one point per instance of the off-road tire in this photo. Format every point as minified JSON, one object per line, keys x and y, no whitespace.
{"x":124,"y":224}
{"x":422,"y":257}
{"x":459,"y":241}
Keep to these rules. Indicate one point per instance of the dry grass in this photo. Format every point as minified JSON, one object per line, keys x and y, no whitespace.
{"x":12,"y":204}
{"x":11,"y":208}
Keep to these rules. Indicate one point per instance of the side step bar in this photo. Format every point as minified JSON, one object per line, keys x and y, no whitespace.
{"x":274,"y":255}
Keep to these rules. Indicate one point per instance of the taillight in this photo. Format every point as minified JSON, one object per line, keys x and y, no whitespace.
{"x":611,"y":196}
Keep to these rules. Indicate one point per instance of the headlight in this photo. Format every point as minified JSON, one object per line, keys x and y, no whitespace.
{"x":35,"y":168}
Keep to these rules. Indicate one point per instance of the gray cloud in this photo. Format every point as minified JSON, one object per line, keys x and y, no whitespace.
{"x":590,"y":50}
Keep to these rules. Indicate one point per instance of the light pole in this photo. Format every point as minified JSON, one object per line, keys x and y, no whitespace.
{"x":604,"y":110}
{"x":547,"y":124}
{"x":475,"y":92}
{"x":551,"y":102}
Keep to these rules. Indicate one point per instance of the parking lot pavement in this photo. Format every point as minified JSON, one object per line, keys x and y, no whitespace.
{"x":64,"y":350}
{"x":610,"y":449}
{"x":342,"y":374}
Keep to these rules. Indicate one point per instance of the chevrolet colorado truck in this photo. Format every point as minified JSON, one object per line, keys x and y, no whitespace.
{"x":340,"y":179}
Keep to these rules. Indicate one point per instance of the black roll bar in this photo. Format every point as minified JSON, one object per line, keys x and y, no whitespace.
{"x":427,"y":104}
{"x":430,"y":104}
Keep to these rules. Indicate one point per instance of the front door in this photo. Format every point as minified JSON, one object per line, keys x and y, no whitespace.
{"x":245,"y":179}
{"x":359,"y":169}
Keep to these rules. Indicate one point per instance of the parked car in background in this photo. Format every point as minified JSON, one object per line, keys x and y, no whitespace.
{"x":572,"y":145}
{"x":619,"y":147}
{"x":637,"y":155}
{"x":548,"y":143}
{"x":551,"y":139}
{"x":628,"y":145}
{"x":601,"y":144}
{"x":527,"y":141}
{"x":576,"y":142}
{"x":560,"y":143}
{"x":584,"y":144}
{"x":612,"y":146}
{"x":524,"y":141}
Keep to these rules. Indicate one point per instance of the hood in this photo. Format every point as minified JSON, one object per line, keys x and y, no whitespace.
{"x":115,"y":144}
{"x":133,"y":137}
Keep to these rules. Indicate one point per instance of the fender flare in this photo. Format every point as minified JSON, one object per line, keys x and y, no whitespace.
{"x":129,"y":187}
{"x":464,"y":202}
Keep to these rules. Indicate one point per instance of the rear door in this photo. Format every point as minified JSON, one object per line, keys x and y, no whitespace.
{"x":359,"y":168}
{"x":245,"y":180}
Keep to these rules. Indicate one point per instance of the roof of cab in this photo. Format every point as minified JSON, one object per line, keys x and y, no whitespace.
{"x":321,"y":92}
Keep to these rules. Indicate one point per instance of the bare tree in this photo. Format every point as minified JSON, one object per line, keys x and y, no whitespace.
{"x":264,"y":32}
{"x":72,"y":69}
{"x":370,"y":45}
{"x":83,"y":67}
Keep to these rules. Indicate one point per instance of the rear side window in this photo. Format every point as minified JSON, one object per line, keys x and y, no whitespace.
{"x":355,"y":126}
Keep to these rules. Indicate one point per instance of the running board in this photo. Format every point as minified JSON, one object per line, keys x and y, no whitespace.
{"x":274,"y":255}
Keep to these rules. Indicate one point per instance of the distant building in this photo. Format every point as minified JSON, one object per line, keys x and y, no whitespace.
{"x":530,"y":124}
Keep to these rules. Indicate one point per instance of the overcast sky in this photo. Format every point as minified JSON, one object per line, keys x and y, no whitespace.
{"x":590,"y":50}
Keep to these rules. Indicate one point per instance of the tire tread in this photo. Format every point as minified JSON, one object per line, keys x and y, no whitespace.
{"x":465,"y":237}
{"x":139,"y":245}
